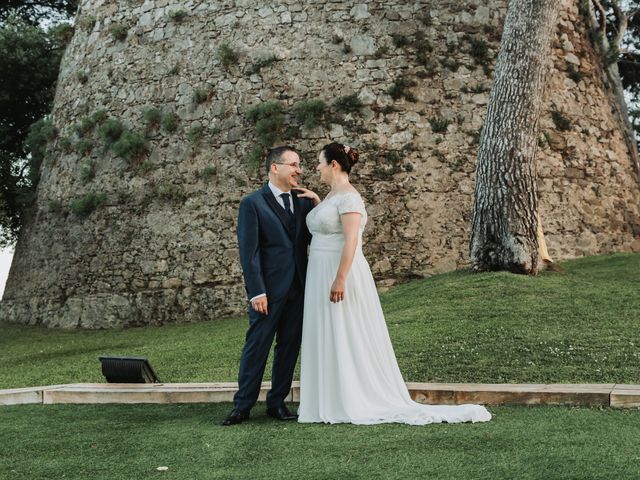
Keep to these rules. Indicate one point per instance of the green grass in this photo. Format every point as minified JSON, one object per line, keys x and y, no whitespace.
{"x":130,"y":441}
{"x":579,"y":325}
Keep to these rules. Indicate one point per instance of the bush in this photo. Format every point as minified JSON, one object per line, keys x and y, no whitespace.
{"x":178,"y":15}
{"x":439,"y":125}
{"x":561,"y":122}
{"x":88,"y":171}
{"x":86,"y":204}
{"x":86,"y":22}
{"x":119,"y":32}
{"x":84,"y":146}
{"x":110,"y":131}
{"x":170,"y":122}
{"x":82,"y":76}
{"x":84,"y":126}
{"x":200,"y":96}
{"x":348,"y":104}
{"x":99,"y":116}
{"x":400,"y":40}
{"x":195,"y":134}
{"x":227,"y":55}
{"x":400,"y":89}
{"x":260,"y":64}
{"x":40,"y":134}
{"x":479,"y":49}
{"x":268,"y":120}
{"x":152,"y":117}
{"x":207,"y":172}
{"x":130,"y":145}
{"x":169,"y":192}
{"x":309,"y":112}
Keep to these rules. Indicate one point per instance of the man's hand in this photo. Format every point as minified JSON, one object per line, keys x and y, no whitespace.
{"x":260,"y":305}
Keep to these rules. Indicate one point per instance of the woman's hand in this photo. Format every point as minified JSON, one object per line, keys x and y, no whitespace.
{"x":306,"y":193}
{"x":337,"y":290}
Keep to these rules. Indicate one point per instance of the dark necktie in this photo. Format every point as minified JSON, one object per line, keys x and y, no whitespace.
{"x":287,"y":203}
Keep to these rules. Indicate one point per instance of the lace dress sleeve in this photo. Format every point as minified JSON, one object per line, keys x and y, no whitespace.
{"x":351,"y":203}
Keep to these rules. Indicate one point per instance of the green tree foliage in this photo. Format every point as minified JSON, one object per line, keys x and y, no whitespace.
{"x":32,"y":11}
{"x":32,"y":55}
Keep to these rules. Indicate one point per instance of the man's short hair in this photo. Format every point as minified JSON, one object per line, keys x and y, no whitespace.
{"x":275,"y":155}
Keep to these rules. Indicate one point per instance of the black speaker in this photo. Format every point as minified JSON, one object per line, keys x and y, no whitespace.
{"x":128,"y":370}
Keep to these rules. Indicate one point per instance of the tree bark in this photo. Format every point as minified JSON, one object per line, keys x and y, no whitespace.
{"x":505,"y":224}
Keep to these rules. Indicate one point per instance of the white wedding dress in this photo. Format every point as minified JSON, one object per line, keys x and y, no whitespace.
{"x":349,"y":372}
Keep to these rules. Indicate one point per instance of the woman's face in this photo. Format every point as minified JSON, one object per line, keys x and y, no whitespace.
{"x":326,"y":173}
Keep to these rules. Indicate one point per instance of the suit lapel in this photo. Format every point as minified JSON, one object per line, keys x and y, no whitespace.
{"x":275,"y":206}
{"x":297,"y":211}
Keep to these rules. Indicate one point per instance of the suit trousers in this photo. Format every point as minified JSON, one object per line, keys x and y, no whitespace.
{"x":284,"y":321}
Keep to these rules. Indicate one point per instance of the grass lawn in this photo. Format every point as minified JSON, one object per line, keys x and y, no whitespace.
{"x":579,"y":325}
{"x":130,"y":441}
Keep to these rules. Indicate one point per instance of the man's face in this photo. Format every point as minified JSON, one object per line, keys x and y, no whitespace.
{"x":288,"y":170}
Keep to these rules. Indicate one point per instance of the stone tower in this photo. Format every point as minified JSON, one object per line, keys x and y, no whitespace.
{"x":133,"y":234}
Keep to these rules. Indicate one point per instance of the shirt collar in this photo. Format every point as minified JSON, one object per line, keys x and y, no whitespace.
{"x":276,"y":191}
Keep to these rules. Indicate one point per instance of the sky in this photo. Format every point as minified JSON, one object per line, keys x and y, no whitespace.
{"x":5,"y":262}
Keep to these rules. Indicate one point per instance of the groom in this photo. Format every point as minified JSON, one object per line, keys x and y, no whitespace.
{"x":273,"y":240}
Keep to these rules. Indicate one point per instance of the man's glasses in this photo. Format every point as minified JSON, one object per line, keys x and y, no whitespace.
{"x":294,"y":165}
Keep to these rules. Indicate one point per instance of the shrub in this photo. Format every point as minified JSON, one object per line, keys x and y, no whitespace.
{"x":86,"y":22}
{"x":423,"y":48}
{"x":255,"y":157}
{"x":479,"y":49}
{"x":574,"y":74}
{"x":169,"y":192}
{"x":200,"y":96}
{"x":561,"y":122}
{"x":170,"y":122}
{"x":99,"y":116}
{"x":309,"y":112}
{"x":86,"y":204}
{"x":400,"y":40}
{"x":119,"y":32}
{"x":130,"y":145}
{"x":207,"y":172}
{"x":65,"y":145}
{"x":84,"y":126}
{"x":110,"y":131}
{"x":40,"y":134}
{"x":260,"y":64}
{"x":268,"y":120}
{"x":439,"y":125}
{"x":88,"y":171}
{"x":146,"y":166}
{"x":82,"y":76}
{"x":400,"y":89}
{"x":195,"y":134}
{"x":178,"y":15}
{"x":348,"y":103}
{"x":152,"y":117}
{"x":84,"y":146}
{"x":227,"y":55}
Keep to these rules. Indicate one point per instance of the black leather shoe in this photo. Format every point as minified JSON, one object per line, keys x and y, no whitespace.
{"x":281,"y":413}
{"x":235,"y":417}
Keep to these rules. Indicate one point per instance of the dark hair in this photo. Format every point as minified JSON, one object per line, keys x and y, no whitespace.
{"x":346,"y":157}
{"x":275,"y":155}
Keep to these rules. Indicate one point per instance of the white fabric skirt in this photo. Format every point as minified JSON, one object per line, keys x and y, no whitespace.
{"x":349,"y":372}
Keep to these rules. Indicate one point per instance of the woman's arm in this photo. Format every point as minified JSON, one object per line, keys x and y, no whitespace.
{"x":350,"y":228}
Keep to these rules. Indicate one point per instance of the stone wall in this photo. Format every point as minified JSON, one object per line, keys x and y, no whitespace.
{"x":162,"y":247}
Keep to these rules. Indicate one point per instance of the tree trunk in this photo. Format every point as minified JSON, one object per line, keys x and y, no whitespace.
{"x":505,"y":224}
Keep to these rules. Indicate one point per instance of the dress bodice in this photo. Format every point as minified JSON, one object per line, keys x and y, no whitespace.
{"x":324,"y":219}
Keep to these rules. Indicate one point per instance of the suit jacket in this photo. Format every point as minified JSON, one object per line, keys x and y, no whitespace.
{"x":272,"y":253}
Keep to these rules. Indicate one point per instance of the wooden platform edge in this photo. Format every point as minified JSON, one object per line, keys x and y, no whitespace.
{"x":587,"y":395}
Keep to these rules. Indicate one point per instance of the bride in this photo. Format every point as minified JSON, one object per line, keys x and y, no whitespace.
{"x":349,"y":372}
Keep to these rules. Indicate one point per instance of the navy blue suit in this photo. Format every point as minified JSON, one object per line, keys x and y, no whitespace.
{"x":273,"y":253}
